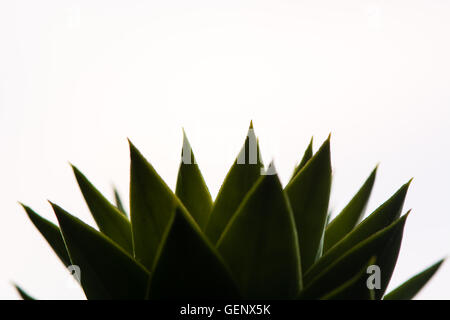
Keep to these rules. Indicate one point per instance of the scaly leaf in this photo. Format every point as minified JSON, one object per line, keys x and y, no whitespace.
{"x":355,"y":288}
{"x":410,"y":288}
{"x":306,"y":157}
{"x":118,"y":202}
{"x":23,"y":294}
{"x":260,"y":244}
{"x":242,"y":176}
{"x":152,"y":206}
{"x":385,"y":245}
{"x":191,"y":188}
{"x":309,"y":194}
{"x":51,"y":233}
{"x":387,"y":213}
{"x":188,"y":267}
{"x":109,"y":219}
{"x":106,"y":270}
{"x":350,"y":216}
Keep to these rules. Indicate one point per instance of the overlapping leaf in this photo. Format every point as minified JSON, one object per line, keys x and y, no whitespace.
{"x":354,"y":289}
{"x":191,"y":188}
{"x":119,"y":203}
{"x":260,"y":244}
{"x":188,"y":267}
{"x":242,"y":176}
{"x":387,"y":213}
{"x":109,"y":219}
{"x":152,"y":206}
{"x":306,"y":157}
{"x":385,"y":245}
{"x":107,"y":271}
{"x":308,"y":194}
{"x":350,"y":216}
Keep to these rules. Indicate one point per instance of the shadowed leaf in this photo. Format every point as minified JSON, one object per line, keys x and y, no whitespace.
{"x":107,"y":271}
{"x":188,"y":267}
{"x":260,"y":244}
{"x":355,"y":288}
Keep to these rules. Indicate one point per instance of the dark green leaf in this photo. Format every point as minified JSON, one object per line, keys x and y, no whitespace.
{"x":23,"y":294}
{"x":350,"y":216}
{"x":385,"y":245}
{"x":410,"y":288}
{"x":355,"y":288}
{"x":260,"y":244}
{"x":107,"y":271}
{"x":119,"y":203}
{"x":306,"y":157}
{"x":309,"y":194}
{"x":188,"y":267}
{"x":191,"y":187}
{"x":51,"y":233}
{"x":109,"y":219}
{"x":242,"y":176}
{"x":379,"y":219}
{"x":152,"y":206}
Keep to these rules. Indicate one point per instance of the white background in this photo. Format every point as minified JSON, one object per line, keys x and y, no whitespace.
{"x":79,"y":77}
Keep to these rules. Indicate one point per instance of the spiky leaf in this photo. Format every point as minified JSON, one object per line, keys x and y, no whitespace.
{"x":107,"y":271}
{"x":118,"y":202}
{"x":109,"y":219}
{"x":152,"y":206}
{"x":242,"y":176}
{"x":51,"y":233}
{"x":260,"y":244}
{"x":308,"y":194}
{"x":306,"y":157}
{"x":387,"y":213}
{"x":23,"y":294}
{"x":188,"y":267}
{"x":410,"y":288}
{"x":350,"y":216}
{"x":385,"y":245}
{"x":191,"y":188}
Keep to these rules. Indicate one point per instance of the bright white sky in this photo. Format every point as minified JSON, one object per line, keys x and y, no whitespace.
{"x":79,"y":77}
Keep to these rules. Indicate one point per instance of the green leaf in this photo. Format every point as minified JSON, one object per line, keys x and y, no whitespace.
{"x":152,"y":206}
{"x":387,"y":213}
{"x":109,"y":219}
{"x":51,"y":233}
{"x":188,"y":267}
{"x":385,"y":245}
{"x":242,"y":176}
{"x":410,"y":288}
{"x":191,"y":188}
{"x":355,"y":288}
{"x":350,"y":216}
{"x":107,"y":271}
{"x":118,"y":202}
{"x":309,"y":194}
{"x":306,"y":157}
{"x":23,"y":294}
{"x":260,"y":244}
